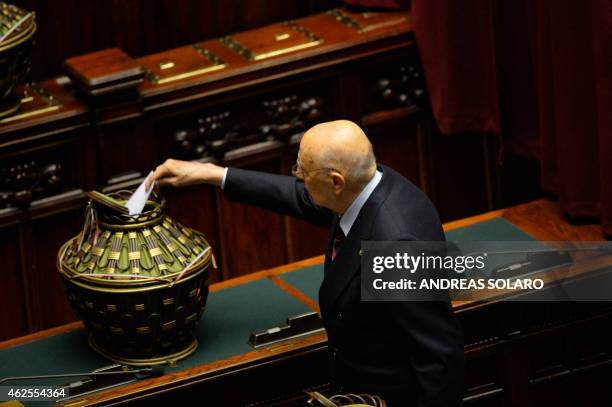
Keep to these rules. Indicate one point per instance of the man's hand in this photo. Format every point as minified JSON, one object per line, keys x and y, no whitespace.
{"x":182,"y":173}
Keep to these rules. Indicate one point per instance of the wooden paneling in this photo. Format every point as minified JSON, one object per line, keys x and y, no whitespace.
{"x":590,"y":387}
{"x":196,"y":208}
{"x":13,"y":317}
{"x":125,"y":147}
{"x":251,"y":238}
{"x":46,"y":286}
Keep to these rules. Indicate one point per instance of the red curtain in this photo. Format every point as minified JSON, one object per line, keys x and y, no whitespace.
{"x":457,"y":46}
{"x":537,"y":72}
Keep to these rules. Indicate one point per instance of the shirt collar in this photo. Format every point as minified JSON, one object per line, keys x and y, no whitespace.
{"x":349,"y":217}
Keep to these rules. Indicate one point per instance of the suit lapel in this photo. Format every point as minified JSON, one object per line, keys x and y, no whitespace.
{"x":330,"y":243}
{"x":340,"y":272}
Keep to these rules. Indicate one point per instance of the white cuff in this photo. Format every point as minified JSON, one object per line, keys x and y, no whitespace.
{"x":223,"y":179}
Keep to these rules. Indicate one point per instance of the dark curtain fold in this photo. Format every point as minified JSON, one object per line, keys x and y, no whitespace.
{"x":457,"y":47}
{"x":569,"y":106}
{"x":537,"y":72}
{"x":602,"y":33}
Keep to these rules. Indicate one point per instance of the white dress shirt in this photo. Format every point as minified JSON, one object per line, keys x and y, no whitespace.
{"x":349,"y":217}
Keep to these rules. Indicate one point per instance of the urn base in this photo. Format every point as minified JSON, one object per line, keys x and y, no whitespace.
{"x":191,"y":344}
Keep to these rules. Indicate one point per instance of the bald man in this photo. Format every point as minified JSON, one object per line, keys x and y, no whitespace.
{"x":409,"y":353}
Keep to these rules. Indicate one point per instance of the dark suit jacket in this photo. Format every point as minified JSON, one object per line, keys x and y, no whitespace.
{"x":411,"y":353}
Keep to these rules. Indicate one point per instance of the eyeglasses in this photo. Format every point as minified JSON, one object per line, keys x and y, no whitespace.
{"x":298,"y":171}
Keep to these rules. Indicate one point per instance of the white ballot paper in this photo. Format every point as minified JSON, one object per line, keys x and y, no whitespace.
{"x":137,"y":201}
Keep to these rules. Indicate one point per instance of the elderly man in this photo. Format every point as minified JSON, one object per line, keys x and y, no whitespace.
{"x":410,"y":353}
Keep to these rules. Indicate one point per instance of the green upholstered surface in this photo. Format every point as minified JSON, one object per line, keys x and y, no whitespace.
{"x":307,"y":280}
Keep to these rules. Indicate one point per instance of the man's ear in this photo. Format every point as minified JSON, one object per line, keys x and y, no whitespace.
{"x":338,"y":182}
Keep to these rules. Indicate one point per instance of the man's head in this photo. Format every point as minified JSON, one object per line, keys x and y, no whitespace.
{"x":335,"y":161}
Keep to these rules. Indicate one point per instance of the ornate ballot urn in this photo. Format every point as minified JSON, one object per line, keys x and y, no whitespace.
{"x":139,"y":283}
{"x":17,"y":28}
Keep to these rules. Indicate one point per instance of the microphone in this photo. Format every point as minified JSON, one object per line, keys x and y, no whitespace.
{"x":143,"y":373}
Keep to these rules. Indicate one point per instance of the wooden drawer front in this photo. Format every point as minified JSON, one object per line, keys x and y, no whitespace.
{"x":548,"y":360}
{"x":34,"y":173}
{"x":483,"y":383}
{"x":394,"y":82}
{"x":247,"y":126}
{"x":590,"y":343}
{"x":571,"y":364}
{"x":481,"y":328}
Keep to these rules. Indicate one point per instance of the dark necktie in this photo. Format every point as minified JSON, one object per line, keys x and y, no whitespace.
{"x":338,"y":239}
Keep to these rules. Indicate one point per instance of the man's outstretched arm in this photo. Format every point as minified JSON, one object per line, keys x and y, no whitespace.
{"x":279,"y":193}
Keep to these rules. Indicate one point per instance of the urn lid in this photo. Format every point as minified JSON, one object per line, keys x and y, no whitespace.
{"x":115,"y":247}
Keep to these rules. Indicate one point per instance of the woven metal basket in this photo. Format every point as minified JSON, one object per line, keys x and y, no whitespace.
{"x":139,"y":283}
{"x":17,"y":29}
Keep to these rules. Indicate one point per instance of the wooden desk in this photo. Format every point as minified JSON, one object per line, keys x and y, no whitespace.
{"x":515,"y":351}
